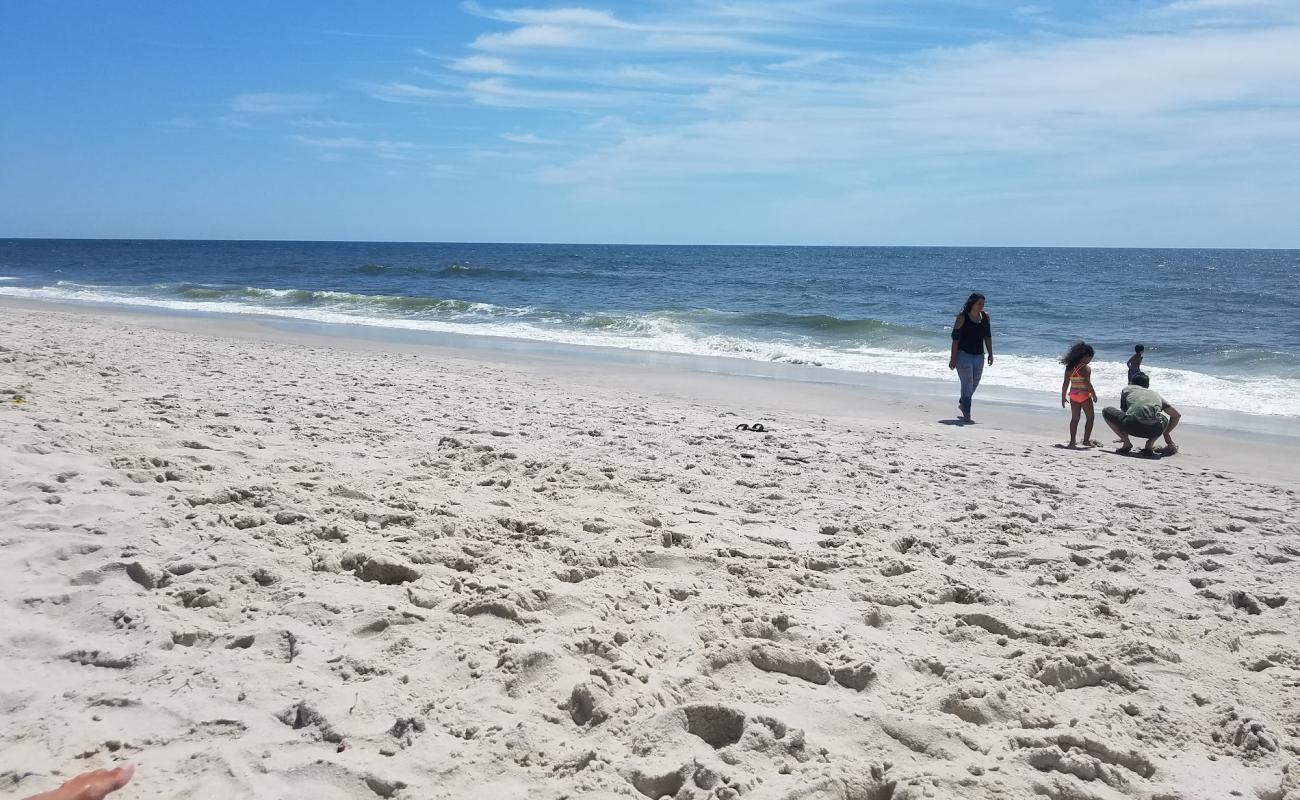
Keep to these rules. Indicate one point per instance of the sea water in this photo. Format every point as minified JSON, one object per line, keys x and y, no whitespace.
{"x":1221,"y":327}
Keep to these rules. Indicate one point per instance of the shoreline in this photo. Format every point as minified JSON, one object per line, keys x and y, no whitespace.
{"x":1007,"y":408}
{"x":1017,"y":378}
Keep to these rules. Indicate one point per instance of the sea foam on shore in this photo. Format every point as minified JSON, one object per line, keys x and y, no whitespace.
{"x":694,"y":334}
{"x":1218,"y":325}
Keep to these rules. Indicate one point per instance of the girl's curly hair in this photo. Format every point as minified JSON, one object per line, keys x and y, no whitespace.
{"x":1077,"y":352}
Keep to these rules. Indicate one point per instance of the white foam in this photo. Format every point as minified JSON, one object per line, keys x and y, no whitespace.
{"x":7,"y":278}
{"x":1268,"y":396}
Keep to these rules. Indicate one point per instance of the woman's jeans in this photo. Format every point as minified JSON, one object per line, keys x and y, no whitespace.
{"x":970,"y":366}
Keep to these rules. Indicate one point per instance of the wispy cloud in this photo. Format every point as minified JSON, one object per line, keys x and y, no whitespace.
{"x":1230,"y":13}
{"x":501,"y":92}
{"x":843,"y":98}
{"x":524,"y":138}
{"x":572,"y":17}
{"x":1229,"y":5}
{"x":481,"y":63}
{"x":334,"y":147}
{"x":1158,"y":98}
{"x":1156,"y":102}
{"x":273,"y":103}
{"x":409,"y":93}
{"x":596,"y":30}
{"x":360,"y":34}
{"x":325,"y":122}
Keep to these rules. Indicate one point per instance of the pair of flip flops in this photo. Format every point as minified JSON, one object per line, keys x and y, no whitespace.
{"x":1163,"y":452}
{"x":1128,"y":450}
{"x":757,"y":427}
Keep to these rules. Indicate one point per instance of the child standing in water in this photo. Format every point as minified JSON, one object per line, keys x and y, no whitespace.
{"x":1077,"y":388}
{"x":1135,"y":362}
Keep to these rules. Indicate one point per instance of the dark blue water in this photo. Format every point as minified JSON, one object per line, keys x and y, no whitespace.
{"x":1221,"y":327}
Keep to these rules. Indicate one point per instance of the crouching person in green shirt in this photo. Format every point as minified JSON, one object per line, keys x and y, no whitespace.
{"x":1145,"y":414}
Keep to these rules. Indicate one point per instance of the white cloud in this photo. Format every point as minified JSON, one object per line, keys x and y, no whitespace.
{"x":590,"y":29}
{"x":331,"y":143}
{"x":1228,"y":13}
{"x":332,"y":148}
{"x":324,"y":122}
{"x":527,"y":138}
{"x":854,"y":98}
{"x":1220,"y":5}
{"x":574,"y":17}
{"x":272,"y":103}
{"x":1110,"y":78}
{"x":532,"y":36}
{"x":1192,"y":100}
{"x":500,"y":92}
{"x":804,"y":62}
{"x":481,"y":63}
{"x":398,"y":92}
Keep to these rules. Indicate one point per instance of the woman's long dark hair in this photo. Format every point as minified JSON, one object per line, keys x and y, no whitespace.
{"x":970,"y":302}
{"x":1077,"y":352}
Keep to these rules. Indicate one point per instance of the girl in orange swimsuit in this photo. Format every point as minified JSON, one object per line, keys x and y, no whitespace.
{"x":1077,"y":388}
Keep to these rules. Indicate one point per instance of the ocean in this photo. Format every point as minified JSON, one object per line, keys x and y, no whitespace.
{"x":1221,"y":327}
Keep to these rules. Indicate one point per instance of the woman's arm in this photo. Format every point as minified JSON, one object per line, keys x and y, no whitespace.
{"x":956,"y":326}
{"x":988,"y":338}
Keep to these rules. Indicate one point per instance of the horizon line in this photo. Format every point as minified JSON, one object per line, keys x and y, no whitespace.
{"x":645,"y":244}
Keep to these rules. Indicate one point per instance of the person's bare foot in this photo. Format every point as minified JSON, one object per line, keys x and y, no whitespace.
{"x":90,"y":785}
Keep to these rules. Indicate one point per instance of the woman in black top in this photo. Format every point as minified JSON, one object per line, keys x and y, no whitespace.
{"x":972,"y":334}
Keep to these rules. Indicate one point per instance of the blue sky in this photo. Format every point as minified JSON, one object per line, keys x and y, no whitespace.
{"x":1170,"y":122}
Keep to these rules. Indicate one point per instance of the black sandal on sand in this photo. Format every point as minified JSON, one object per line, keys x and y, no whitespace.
{"x":1145,"y":453}
{"x":757,"y":427}
{"x":1128,"y":448}
{"x":1168,"y":450}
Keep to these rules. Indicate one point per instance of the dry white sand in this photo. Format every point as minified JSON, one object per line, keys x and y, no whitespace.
{"x":267,"y":569}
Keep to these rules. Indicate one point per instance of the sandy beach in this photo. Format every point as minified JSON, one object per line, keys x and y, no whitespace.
{"x":263,"y":565}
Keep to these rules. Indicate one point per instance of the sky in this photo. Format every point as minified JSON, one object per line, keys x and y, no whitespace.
{"x":957,"y":122}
